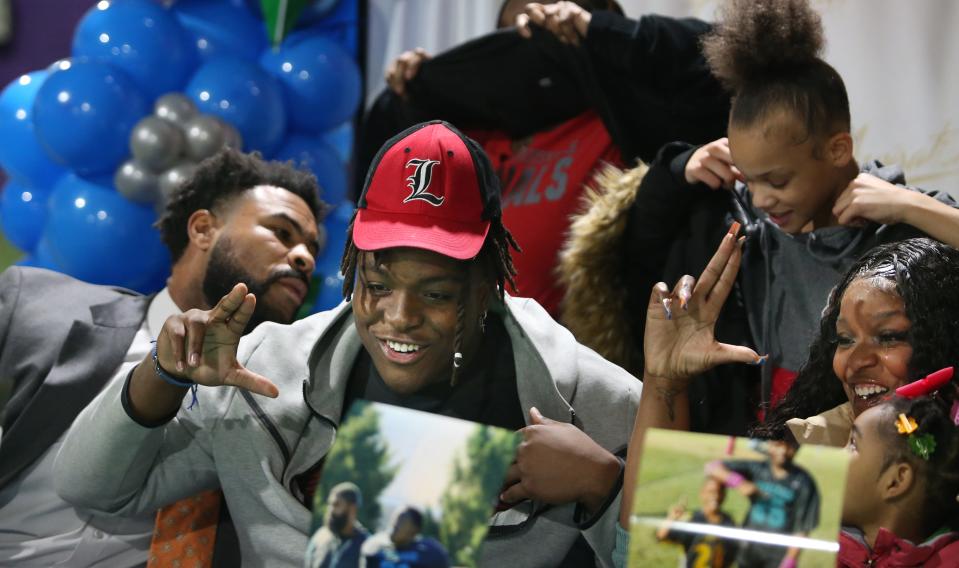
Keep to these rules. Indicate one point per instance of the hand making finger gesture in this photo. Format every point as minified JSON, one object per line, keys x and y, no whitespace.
{"x":679,"y":341}
{"x":201,"y":345}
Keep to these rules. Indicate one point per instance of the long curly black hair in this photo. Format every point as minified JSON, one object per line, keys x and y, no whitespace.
{"x":220,"y":178}
{"x":767,"y":53}
{"x":926,"y":276}
{"x":940,"y":470}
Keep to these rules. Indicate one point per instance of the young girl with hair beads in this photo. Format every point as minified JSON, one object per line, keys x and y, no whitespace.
{"x":788,"y":175}
{"x":902,"y":489}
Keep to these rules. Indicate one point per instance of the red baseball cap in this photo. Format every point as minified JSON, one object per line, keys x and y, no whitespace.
{"x":429,"y":187}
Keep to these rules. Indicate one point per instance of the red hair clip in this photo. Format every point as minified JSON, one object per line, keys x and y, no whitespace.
{"x":931,"y":383}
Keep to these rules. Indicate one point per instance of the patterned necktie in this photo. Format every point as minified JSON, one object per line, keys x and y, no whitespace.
{"x":185,"y":532}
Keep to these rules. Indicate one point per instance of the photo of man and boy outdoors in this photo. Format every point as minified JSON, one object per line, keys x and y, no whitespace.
{"x":407,"y":489}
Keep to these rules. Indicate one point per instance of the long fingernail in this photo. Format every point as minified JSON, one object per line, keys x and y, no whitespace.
{"x":667,"y":307}
{"x":734,"y":228}
{"x":194,"y":359}
{"x":179,"y":366}
{"x":684,"y":296}
{"x":760,"y":360}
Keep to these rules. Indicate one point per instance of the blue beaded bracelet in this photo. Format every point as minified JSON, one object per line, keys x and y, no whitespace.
{"x":170,"y":379}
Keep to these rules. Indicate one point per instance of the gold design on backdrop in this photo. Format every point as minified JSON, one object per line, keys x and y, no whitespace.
{"x":937,"y":161}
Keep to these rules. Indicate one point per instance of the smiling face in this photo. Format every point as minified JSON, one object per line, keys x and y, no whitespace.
{"x":267,"y":239}
{"x":872,"y":352}
{"x":406,"y":312}
{"x":796,"y":184}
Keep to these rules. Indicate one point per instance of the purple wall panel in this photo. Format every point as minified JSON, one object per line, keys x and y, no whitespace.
{"x":42,"y":33}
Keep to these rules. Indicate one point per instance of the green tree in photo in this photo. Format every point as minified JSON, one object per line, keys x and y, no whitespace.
{"x":360,"y":455}
{"x":431,"y":526}
{"x":466,"y":504}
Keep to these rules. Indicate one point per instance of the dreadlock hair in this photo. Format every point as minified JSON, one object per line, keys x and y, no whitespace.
{"x":925,"y":273}
{"x":767,"y":53}
{"x":226,"y":175}
{"x":494,"y":260}
{"x":941,"y":471}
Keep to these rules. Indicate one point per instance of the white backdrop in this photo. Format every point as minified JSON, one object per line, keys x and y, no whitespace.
{"x":900,"y":62}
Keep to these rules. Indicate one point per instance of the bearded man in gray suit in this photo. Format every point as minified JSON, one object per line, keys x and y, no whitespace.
{"x":238,"y":219}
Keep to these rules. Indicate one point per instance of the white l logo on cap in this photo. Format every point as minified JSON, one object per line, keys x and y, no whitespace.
{"x":419,"y":182}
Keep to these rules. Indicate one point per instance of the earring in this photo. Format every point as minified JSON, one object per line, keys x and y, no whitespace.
{"x":482,"y":322}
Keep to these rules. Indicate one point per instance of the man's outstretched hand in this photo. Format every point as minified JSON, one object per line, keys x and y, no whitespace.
{"x":201,"y":345}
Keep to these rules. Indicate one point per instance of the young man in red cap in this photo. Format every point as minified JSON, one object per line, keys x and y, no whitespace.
{"x":426,"y":326}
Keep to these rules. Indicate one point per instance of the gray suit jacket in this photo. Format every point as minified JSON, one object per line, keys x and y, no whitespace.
{"x":254,"y":448}
{"x":60,"y":341}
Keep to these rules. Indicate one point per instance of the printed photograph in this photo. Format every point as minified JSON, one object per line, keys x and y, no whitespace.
{"x":407,"y":489}
{"x":708,"y":501}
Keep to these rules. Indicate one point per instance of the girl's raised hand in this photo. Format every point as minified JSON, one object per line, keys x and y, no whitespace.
{"x":679,"y":342}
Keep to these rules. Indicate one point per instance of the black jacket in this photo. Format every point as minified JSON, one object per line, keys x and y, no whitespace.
{"x":646,"y":78}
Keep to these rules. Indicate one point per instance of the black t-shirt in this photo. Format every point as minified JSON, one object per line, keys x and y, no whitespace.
{"x":706,"y":551}
{"x":485,"y":392}
{"x":787,"y":506}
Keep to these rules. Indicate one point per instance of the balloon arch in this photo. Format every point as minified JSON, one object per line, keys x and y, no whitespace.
{"x":94,"y":144}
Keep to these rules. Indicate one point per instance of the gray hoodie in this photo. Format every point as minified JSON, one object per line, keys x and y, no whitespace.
{"x":253,"y":447}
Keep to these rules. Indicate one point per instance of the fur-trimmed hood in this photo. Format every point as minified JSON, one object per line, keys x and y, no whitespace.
{"x":591,"y":268}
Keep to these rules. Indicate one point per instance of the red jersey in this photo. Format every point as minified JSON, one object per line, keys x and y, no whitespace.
{"x":542,"y":187}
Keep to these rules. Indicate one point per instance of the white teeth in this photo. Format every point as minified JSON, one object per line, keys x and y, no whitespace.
{"x":402,"y":347}
{"x":867,"y":390}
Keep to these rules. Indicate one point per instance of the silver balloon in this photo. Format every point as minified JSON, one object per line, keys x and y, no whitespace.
{"x":173,"y":178}
{"x":175,"y":107}
{"x":136,"y":182}
{"x":205,"y":136}
{"x":232,"y":136}
{"x":156,"y":143}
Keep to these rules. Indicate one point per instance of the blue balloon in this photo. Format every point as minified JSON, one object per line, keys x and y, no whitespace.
{"x":23,"y":213}
{"x":41,"y":257}
{"x":329,"y":293}
{"x":317,"y":156}
{"x":341,"y":140}
{"x":316,"y":11}
{"x":84,"y":113}
{"x":98,"y":236}
{"x":141,"y":38}
{"x":20,"y":153}
{"x":244,"y":95}
{"x":321,"y":82}
{"x":222,"y":28}
{"x":330,"y":289}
